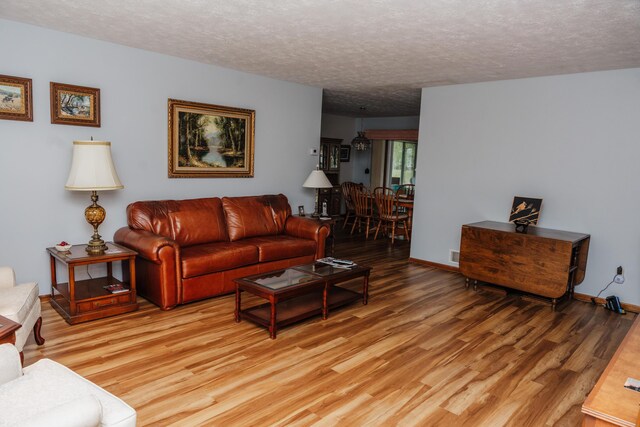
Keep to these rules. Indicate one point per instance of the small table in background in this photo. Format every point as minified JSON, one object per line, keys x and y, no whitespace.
{"x":331,"y":222}
{"x":8,"y":330}
{"x":84,"y":300}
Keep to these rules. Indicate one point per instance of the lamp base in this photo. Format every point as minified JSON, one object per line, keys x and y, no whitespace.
{"x":94,"y":215}
{"x":96,"y":247}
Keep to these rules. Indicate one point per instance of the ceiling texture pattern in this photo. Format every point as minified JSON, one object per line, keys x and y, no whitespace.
{"x":372,"y":53}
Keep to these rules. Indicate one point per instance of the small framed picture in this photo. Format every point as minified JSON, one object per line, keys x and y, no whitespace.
{"x":525,"y":210}
{"x":75,"y":105}
{"x":301,"y":210}
{"x":15,"y":98}
{"x":345,"y":153}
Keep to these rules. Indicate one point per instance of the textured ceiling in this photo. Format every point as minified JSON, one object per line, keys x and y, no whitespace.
{"x":372,"y":53}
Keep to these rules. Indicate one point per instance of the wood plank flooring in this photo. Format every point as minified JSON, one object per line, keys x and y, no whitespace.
{"x":425,"y":351}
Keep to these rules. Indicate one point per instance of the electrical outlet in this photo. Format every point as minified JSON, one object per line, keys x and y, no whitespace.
{"x":619,"y":277}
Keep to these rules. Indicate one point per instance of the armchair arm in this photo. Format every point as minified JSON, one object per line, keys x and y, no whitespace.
{"x":85,"y":411}
{"x":10,"y":366}
{"x":307,"y":228}
{"x":7,"y":277}
{"x":147,"y":244}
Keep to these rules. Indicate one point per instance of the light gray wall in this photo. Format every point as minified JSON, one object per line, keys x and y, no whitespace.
{"x":573,"y":140}
{"x":37,"y":212}
{"x":400,"y":122}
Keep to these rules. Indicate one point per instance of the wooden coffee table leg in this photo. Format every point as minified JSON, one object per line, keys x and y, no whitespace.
{"x":272,"y":325}
{"x":365,"y":290}
{"x":325,"y":310}
{"x":237,"y":313}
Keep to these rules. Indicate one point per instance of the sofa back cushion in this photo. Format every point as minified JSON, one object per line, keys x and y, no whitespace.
{"x":188,"y":222}
{"x":255,"y":215}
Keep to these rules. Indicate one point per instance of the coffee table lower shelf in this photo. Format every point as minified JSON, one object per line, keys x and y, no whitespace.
{"x":299,"y":308}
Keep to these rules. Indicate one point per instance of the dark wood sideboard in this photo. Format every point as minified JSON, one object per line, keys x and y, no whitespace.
{"x":544,"y":262}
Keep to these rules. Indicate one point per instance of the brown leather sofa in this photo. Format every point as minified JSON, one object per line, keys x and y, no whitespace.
{"x":193,"y":249}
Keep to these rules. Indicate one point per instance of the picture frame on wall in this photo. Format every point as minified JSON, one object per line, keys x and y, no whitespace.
{"x":16,"y":101}
{"x":345,"y":153}
{"x":74,"y":105}
{"x":210,"y":141}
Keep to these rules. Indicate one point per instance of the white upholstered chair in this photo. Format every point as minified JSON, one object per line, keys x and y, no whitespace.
{"x":50,"y":394}
{"x":21,"y":304}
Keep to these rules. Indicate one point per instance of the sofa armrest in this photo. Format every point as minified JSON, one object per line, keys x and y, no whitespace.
{"x":7,"y":277}
{"x":10,"y":366}
{"x":307,"y":228}
{"x":147,"y":244}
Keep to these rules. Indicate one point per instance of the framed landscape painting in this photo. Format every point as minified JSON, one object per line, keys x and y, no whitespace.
{"x":75,"y":105}
{"x":15,"y":98}
{"x":210,"y":141}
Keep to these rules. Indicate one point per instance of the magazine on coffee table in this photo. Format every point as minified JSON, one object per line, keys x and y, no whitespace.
{"x":338,"y":263}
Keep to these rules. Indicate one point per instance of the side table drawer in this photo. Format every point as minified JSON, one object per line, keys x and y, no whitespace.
{"x":84,"y":307}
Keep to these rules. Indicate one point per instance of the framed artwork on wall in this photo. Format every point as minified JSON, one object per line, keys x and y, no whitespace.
{"x":15,"y":98}
{"x":75,"y":105}
{"x":345,"y":153}
{"x":210,"y":141}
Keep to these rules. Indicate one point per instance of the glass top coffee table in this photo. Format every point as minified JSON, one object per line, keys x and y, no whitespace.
{"x":298,"y":293}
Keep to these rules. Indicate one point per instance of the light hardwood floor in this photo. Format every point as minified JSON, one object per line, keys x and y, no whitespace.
{"x":425,"y":351}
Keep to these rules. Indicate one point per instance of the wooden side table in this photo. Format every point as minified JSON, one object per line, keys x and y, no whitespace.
{"x":84,"y":300}
{"x":331,"y":222}
{"x":8,"y":330}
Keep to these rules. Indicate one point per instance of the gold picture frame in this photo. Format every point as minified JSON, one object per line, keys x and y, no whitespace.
{"x":210,"y":141}
{"x":75,"y":105}
{"x":16,"y":101}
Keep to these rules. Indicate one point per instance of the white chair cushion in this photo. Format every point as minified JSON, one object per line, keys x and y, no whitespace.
{"x":47,"y":384}
{"x":10,"y":366}
{"x":16,"y":302}
{"x":85,"y":411}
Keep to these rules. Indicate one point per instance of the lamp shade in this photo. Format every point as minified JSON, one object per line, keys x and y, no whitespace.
{"x":317,"y":179}
{"x":92,"y":168}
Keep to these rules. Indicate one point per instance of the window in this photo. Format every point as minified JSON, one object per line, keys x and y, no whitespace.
{"x":403,"y":163}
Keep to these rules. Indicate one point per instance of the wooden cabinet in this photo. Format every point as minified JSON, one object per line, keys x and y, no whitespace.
{"x":543,"y":262}
{"x":329,"y":162}
{"x":82,"y":300}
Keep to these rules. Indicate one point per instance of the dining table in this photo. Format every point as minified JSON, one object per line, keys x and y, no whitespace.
{"x":407,"y":204}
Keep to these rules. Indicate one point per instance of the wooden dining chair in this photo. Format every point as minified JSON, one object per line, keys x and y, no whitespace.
{"x":388,"y":214}
{"x":346,"y":188}
{"x":363,"y":202}
{"x":407,"y":190}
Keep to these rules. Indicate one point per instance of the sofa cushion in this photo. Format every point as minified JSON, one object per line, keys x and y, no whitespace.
{"x":213,"y":257}
{"x":197,"y":227}
{"x":273,"y":248}
{"x":255,"y":215}
{"x":189,"y":222}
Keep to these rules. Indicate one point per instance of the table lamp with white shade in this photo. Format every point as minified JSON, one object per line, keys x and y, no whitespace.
{"x":317,"y":179}
{"x":92,"y":170}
